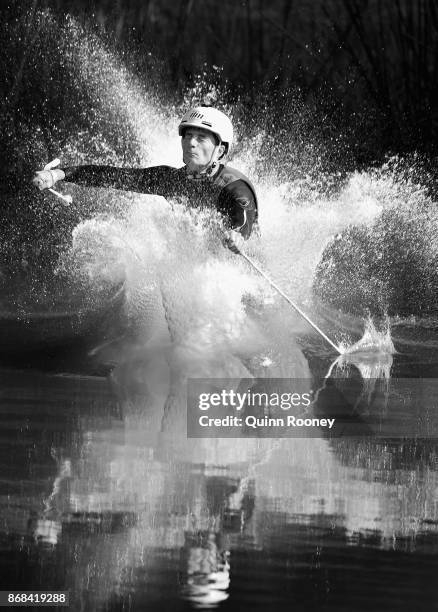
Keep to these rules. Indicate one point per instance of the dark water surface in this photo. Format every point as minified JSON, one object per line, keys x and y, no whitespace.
{"x":102,"y":494}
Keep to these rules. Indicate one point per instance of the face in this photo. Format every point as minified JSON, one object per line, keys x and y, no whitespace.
{"x":198,"y":146}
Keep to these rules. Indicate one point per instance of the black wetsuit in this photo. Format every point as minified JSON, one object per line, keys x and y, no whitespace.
{"x":228,"y":191}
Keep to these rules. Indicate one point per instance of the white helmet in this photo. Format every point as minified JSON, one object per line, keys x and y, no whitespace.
{"x":209,"y":119}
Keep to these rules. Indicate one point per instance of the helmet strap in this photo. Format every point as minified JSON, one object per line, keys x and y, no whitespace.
{"x":209,"y":170}
{"x":214,"y":162}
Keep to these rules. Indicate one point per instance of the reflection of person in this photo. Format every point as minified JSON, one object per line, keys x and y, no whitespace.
{"x":222,"y":507}
{"x":207,"y":136}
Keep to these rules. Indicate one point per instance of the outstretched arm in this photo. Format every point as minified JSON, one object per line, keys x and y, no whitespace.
{"x":158,"y":180}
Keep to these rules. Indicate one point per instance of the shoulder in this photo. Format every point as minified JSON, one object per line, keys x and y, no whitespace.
{"x":235,"y":184}
{"x":229,"y":175}
{"x":239,"y":189}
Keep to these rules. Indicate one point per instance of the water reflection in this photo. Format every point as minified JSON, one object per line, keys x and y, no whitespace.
{"x":103,"y":496}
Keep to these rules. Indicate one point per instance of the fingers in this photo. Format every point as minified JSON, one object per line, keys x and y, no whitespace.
{"x":234,"y":241}
{"x":38,"y":182}
{"x":42,"y":179}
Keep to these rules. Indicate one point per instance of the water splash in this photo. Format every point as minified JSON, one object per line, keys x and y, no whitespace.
{"x":121,"y":102}
{"x":374,"y":341}
{"x":171,"y":256}
{"x":372,"y":356}
{"x":388,"y":265}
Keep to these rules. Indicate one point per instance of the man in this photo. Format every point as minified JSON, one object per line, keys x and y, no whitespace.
{"x":206,"y":138}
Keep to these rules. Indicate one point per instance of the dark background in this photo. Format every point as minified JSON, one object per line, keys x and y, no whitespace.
{"x":369,"y":67}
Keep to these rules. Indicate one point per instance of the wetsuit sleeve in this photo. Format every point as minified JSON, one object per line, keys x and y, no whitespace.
{"x":157,"y":180}
{"x":237,"y":203}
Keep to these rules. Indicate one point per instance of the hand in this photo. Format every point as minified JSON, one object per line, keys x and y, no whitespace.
{"x":45,"y":179}
{"x":233,"y":240}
